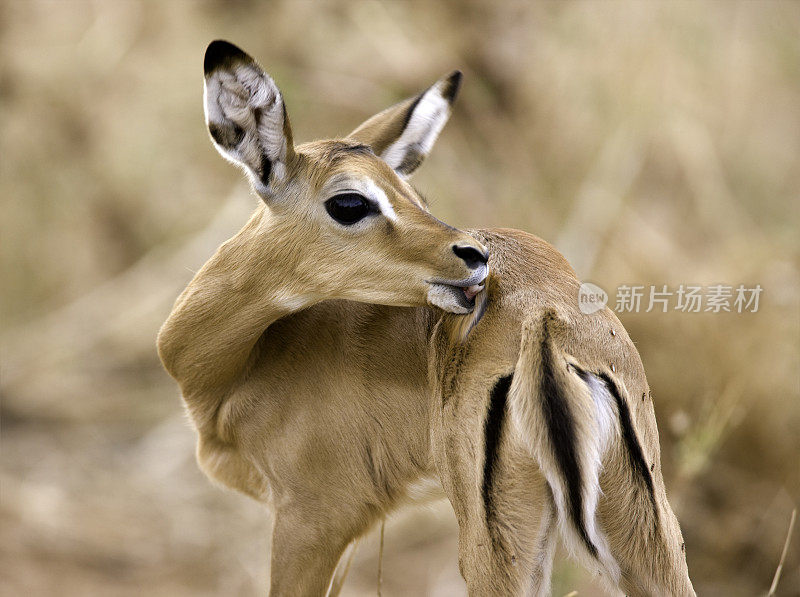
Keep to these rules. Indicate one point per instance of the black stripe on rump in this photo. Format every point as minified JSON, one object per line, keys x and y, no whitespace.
{"x":493,"y":432}
{"x":563,"y":441}
{"x":632,"y":445}
{"x":584,"y":375}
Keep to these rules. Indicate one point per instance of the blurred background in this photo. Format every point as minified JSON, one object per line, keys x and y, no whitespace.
{"x":653,"y":143}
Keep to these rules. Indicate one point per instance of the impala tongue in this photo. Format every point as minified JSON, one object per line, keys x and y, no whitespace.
{"x":471,"y":291}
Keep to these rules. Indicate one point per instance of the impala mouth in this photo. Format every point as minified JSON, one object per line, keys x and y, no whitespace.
{"x":471,"y":291}
{"x":457,"y":296}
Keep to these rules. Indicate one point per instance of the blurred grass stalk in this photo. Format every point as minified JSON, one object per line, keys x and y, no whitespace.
{"x":776,"y":579}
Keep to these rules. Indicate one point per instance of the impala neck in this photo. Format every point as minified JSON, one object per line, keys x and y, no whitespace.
{"x":251,"y":281}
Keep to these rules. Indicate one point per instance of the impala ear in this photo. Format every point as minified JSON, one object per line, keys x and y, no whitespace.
{"x":246,"y":116}
{"x":404,"y":134}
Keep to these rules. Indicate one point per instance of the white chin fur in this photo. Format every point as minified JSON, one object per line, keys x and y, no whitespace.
{"x":445,"y":298}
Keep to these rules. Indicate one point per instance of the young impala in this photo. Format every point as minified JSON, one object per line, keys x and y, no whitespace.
{"x":346,"y":345}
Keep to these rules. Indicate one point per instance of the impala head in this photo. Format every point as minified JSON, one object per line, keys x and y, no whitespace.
{"x":341,"y":210}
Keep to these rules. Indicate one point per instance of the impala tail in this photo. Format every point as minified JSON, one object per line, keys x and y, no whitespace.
{"x":576,"y":422}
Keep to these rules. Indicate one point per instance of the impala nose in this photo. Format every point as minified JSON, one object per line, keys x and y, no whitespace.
{"x":471,"y":256}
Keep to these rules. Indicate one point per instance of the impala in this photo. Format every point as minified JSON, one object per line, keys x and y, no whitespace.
{"x":346,"y":346}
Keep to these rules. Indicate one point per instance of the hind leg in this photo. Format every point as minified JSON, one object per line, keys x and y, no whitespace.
{"x":507,"y":528}
{"x":643,"y":534}
{"x":502,"y":502}
{"x":511,"y":551}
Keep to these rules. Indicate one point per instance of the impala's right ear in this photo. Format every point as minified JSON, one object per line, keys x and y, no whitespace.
{"x":246,"y":116}
{"x":404,"y":134}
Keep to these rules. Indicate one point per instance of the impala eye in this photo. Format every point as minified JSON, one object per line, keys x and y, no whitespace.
{"x":348,"y":208}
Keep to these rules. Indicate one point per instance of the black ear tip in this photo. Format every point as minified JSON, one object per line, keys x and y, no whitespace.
{"x":452,"y":85}
{"x":221,"y":52}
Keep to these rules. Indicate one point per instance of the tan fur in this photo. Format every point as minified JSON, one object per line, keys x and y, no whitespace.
{"x":321,"y":383}
{"x":383,"y":128}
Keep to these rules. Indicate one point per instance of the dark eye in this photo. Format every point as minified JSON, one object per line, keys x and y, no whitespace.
{"x":348,"y":208}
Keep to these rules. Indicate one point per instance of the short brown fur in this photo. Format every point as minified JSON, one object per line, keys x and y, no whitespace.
{"x":322,"y":382}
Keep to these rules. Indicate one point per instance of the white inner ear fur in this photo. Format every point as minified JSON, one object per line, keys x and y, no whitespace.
{"x":248,"y":98}
{"x":426,"y":122}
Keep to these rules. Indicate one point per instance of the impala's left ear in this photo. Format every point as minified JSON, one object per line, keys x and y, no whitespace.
{"x":246,"y":116}
{"x":404,"y":134}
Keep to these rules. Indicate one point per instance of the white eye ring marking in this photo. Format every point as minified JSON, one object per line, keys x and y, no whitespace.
{"x":375,"y":193}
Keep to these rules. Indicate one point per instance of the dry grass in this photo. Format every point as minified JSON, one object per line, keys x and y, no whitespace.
{"x":653,"y":143}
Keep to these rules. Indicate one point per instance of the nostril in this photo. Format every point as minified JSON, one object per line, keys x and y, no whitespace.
{"x":471,"y":256}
